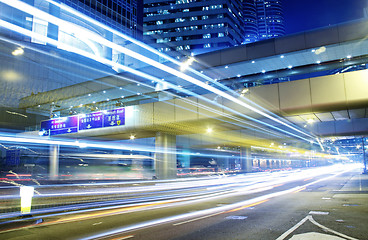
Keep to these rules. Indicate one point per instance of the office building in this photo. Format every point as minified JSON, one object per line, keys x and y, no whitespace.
{"x":250,"y":21}
{"x":182,"y":27}
{"x":270,"y":19}
{"x":122,"y":15}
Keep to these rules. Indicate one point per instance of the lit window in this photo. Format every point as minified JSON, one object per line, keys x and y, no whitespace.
{"x":207,"y":45}
{"x":208,"y":35}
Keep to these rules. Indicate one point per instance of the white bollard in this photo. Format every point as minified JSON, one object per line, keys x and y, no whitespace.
{"x":26,"y":194}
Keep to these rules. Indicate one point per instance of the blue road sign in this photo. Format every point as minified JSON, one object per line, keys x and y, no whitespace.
{"x":90,"y":121}
{"x":114,"y":117}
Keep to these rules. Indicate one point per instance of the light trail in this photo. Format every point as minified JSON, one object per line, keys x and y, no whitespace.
{"x":47,"y":17}
{"x":236,"y":186}
{"x":213,"y":211}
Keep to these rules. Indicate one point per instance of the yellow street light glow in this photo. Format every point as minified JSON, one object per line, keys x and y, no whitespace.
{"x":245,"y":90}
{"x":132,"y":137}
{"x":209,"y":130}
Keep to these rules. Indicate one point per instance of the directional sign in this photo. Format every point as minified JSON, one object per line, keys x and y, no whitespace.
{"x":60,"y":125}
{"x":90,"y":121}
{"x":72,"y":124}
{"x":114,"y":117}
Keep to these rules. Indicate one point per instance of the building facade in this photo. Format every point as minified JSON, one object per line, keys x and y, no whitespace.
{"x":250,"y":21}
{"x":183,"y":27}
{"x":270,"y":19}
{"x":122,"y":15}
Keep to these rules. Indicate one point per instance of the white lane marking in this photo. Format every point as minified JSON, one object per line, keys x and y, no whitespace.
{"x":329,"y":229}
{"x":315,"y":236}
{"x":326,"y":198}
{"x":296,"y":226}
{"x":196,"y":219}
{"x":318,"y":213}
{"x":310,"y":218}
{"x":237,"y":217}
{"x":96,"y":223}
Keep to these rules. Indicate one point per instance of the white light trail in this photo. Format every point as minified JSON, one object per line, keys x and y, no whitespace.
{"x":212,"y":211}
{"x":40,"y":14}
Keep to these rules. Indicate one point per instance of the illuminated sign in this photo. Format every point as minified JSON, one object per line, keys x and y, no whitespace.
{"x":72,"y":124}
{"x":114,"y":117}
{"x":90,"y":121}
{"x":60,"y":125}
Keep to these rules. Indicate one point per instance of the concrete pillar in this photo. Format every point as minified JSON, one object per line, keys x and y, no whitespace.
{"x":246,"y":159}
{"x":165,"y":156}
{"x":54,"y":162}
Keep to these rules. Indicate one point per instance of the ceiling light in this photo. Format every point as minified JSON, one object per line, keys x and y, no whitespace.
{"x":310,"y":121}
{"x":18,"y":51}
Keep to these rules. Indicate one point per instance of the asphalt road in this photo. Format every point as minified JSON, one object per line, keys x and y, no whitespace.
{"x":299,"y":205}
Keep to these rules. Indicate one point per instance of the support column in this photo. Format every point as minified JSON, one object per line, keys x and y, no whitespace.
{"x":165,"y":156}
{"x":246,"y":159}
{"x":54,"y":162}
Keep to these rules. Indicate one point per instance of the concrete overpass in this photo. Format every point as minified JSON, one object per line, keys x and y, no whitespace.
{"x":336,"y":104}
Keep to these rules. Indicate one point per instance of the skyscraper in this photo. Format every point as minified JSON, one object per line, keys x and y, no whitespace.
{"x":179,"y":27}
{"x":270,"y":19}
{"x":122,"y":15}
{"x":250,"y":21}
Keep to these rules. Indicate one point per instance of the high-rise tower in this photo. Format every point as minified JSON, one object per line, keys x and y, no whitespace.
{"x":122,"y":15}
{"x":179,"y":27}
{"x":250,"y":21}
{"x":270,"y":19}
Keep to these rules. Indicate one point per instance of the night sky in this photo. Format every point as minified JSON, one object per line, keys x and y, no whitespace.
{"x":302,"y":15}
